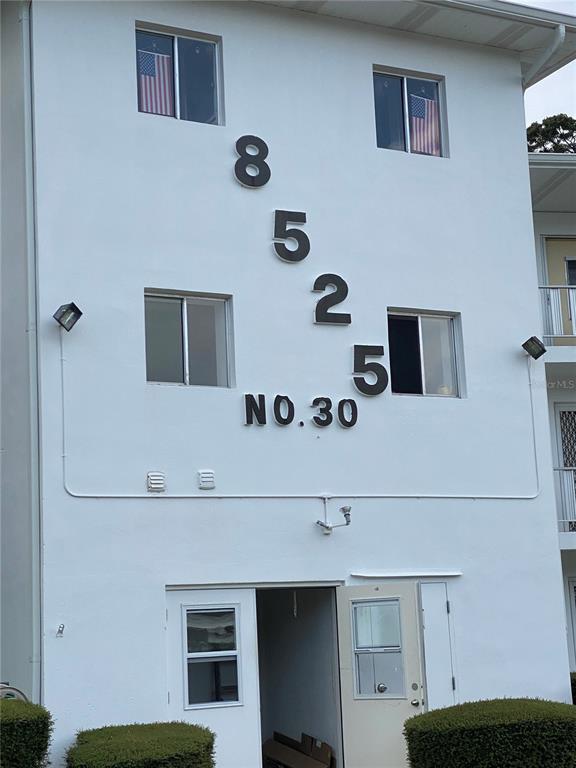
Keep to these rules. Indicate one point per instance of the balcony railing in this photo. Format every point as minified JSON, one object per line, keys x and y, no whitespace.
{"x":559,"y":311}
{"x":566,"y":498}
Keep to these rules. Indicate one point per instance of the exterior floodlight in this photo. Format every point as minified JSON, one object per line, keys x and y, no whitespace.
{"x":534,"y":347}
{"x":67,"y":315}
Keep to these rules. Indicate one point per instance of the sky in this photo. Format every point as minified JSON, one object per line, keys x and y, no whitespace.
{"x":556,"y":93}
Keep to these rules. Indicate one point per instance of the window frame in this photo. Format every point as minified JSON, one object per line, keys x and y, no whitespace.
{"x":383,"y":650}
{"x":406,"y":75}
{"x":228,"y":334}
{"x":455,"y":349}
{"x":175,"y":33}
{"x":217,"y":655}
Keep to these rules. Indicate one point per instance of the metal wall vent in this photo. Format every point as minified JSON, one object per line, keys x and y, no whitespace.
{"x":206,"y":479}
{"x":156,"y":482}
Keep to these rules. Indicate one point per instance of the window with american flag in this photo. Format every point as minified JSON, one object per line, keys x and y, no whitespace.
{"x":408,"y":113}
{"x":178,"y":76}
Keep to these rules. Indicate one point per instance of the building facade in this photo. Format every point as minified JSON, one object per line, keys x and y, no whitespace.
{"x":291,"y":469}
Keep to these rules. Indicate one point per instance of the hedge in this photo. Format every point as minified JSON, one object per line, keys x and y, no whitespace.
{"x":515,"y":733}
{"x":149,"y":745}
{"x":25,"y":731}
{"x":573,"y":681}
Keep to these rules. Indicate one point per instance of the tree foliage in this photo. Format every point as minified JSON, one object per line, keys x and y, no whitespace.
{"x":554,"y":134}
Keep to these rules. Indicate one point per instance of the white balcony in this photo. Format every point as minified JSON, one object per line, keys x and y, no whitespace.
{"x":559,"y":313}
{"x":565,"y":481}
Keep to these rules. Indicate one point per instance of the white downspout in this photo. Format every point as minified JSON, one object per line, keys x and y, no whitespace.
{"x":31,"y":272}
{"x":545,"y":56}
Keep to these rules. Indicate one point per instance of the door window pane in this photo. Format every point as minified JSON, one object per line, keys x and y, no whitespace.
{"x":380,"y":674}
{"x":377,"y":625}
{"x":405,"y":364}
{"x":389,"y":107}
{"x":424,"y":114}
{"x":163,"y":324}
{"x":438,"y":355}
{"x":212,"y":680}
{"x":210,"y":631}
{"x":207,"y":353}
{"x":197,"y":80}
{"x":155,"y":67}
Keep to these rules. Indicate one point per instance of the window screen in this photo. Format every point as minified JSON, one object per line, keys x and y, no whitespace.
{"x":407,"y":113}
{"x":197,"y":80}
{"x":211,"y":656}
{"x":422,"y":355}
{"x":389,"y":106}
{"x":187,"y":340}
{"x":164,"y":352}
{"x":177,"y":76}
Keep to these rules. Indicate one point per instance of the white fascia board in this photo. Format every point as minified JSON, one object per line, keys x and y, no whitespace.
{"x":559,"y":161}
{"x":512,"y":11}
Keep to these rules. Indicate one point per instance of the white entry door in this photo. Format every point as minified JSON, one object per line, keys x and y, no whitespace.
{"x":213,"y":669}
{"x":380,"y":671}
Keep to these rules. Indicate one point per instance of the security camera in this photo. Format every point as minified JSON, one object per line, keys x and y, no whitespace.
{"x":346,"y":511}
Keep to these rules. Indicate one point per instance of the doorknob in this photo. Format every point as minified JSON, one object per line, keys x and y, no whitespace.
{"x":381,"y":688}
{"x":415,"y":703}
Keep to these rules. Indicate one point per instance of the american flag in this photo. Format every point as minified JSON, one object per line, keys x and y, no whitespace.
{"x":424,"y":125}
{"x":155,"y":83}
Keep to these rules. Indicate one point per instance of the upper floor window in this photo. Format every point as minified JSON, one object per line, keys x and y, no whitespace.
{"x":407,"y":114}
{"x":188,"y":339}
{"x":178,"y":76}
{"x":423,"y":357}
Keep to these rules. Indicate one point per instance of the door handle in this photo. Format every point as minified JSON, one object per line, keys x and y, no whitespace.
{"x":381,"y":688}
{"x":415,"y":702}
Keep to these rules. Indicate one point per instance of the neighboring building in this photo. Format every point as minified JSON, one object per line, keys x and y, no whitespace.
{"x":303,"y":300}
{"x":553,"y":181}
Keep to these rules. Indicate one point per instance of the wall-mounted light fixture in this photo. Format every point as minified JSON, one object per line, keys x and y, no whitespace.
{"x":67,"y":315}
{"x":534,"y":347}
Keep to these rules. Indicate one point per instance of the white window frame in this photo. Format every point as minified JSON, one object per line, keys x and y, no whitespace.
{"x":388,"y":649}
{"x":406,"y":75}
{"x":208,"y":655}
{"x":204,"y":38}
{"x":228,"y":334}
{"x":454,"y":344}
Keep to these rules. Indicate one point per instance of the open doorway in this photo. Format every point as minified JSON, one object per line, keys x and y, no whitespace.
{"x":298,"y":661}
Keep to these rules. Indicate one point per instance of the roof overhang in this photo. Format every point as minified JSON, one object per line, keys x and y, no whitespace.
{"x":553,"y":182}
{"x":520,"y":29}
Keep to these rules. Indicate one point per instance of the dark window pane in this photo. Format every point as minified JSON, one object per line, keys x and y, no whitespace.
{"x":210,"y":631}
{"x":424,"y":115}
{"x":163,"y":320}
{"x":155,"y":67}
{"x":571,"y":271}
{"x":197,"y":78}
{"x":212,"y":680}
{"x":207,"y":362}
{"x":404,"y":342}
{"x":388,"y":103}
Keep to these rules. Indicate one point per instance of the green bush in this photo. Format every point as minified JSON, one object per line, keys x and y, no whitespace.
{"x":24,"y":734}
{"x":510,"y":733}
{"x":151,"y":745}
{"x":573,"y":681}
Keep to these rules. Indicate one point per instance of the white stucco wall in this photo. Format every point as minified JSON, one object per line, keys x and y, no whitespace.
{"x":128,"y":201}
